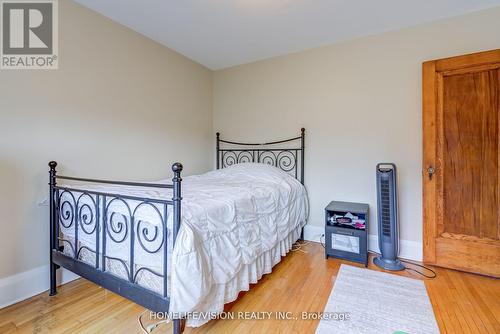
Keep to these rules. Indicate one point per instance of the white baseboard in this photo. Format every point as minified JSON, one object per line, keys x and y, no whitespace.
{"x":410,"y":250}
{"x":27,"y":284}
{"x":314,"y":233}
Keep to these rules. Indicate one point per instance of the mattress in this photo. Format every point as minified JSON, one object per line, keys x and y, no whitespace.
{"x":236,"y":225}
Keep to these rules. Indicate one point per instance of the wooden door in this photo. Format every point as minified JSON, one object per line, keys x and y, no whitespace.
{"x":461,"y":110}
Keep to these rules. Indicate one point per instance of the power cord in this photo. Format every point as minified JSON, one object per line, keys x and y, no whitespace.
{"x":297,"y":247}
{"x":152,"y":327}
{"x":422,"y":273}
{"x":433,"y":275}
{"x":321,"y":241}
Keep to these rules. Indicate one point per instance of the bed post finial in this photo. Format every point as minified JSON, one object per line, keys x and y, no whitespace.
{"x":52,"y":227}
{"x":177,"y":169}
{"x":303,"y":130}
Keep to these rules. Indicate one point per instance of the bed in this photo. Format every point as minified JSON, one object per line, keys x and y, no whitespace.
{"x":183,"y":253}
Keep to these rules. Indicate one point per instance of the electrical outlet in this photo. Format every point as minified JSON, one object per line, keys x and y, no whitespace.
{"x":44,"y":202}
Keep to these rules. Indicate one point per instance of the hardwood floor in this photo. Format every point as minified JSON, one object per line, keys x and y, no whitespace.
{"x":463,"y":303}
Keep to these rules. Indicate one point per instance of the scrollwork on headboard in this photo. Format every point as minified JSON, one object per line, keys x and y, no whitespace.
{"x":287,"y":155}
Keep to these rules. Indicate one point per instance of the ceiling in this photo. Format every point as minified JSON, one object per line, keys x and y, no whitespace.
{"x":224,"y":33}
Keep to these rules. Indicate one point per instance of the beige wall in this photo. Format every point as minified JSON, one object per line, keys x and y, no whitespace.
{"x":120,"y":106}
{"x":360,"y":102}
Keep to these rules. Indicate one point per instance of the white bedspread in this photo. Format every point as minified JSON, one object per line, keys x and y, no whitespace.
{"x":237,"y":222}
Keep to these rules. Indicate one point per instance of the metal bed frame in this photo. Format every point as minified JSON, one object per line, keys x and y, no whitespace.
{"x":97,"y":220}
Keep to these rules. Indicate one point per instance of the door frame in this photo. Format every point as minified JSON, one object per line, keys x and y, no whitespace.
{"x":432,"y":73}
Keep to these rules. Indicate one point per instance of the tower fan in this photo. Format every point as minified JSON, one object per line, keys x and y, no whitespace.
{"x":388,"y":229}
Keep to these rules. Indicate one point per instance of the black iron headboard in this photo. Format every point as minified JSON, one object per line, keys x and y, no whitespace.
{"x":289,"y":159}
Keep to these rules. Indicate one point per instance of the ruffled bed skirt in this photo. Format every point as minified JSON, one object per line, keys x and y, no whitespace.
{"x":251,"y":273}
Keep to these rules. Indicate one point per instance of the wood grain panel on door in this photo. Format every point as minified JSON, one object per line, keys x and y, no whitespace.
{"x":461,"y":110}
{"x":470,"y":153}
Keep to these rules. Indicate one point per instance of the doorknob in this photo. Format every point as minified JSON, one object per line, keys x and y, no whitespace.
{"x":431,"y":172}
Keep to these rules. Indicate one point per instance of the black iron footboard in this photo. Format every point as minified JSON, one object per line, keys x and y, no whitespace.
{"x":87,"y":213}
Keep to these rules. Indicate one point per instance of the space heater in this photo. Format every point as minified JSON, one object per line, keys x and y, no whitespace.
{"x":387,"y":205}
